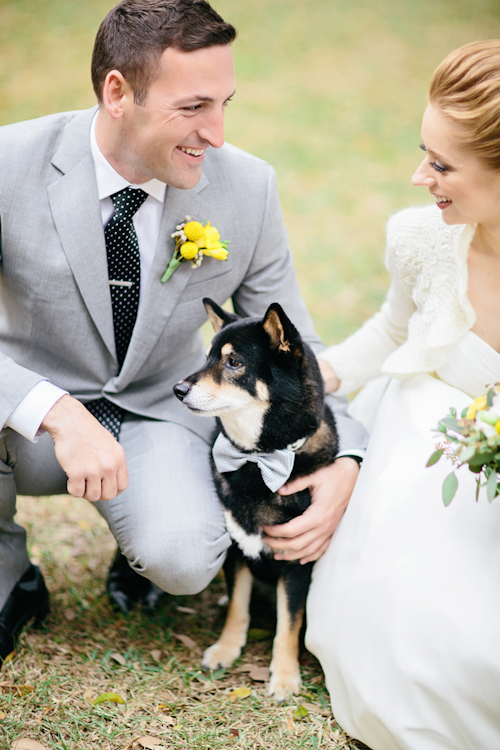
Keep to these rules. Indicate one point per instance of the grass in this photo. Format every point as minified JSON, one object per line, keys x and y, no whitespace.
{"x":331,"y":92}
{"x":47,"y":689}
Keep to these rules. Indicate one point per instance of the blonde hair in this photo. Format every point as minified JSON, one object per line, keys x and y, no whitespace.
{"x":466,"y":88}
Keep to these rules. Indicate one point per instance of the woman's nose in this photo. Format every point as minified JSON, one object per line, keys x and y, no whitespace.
{"x":423,"y":176}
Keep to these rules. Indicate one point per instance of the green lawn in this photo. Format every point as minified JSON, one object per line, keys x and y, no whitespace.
{"x":330,"y":92}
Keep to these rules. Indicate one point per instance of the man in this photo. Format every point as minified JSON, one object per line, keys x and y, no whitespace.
{"x":88,"y":203}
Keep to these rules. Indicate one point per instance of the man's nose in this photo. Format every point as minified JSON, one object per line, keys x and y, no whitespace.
{"x":213,"y":129}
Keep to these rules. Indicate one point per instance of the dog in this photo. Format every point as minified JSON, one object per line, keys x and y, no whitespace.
{"x":263,"y":384}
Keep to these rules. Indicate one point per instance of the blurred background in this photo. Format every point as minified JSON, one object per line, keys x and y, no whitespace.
{"x":331,"y":92}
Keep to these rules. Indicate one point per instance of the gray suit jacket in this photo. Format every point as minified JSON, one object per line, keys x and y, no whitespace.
{"x":55,"y":308}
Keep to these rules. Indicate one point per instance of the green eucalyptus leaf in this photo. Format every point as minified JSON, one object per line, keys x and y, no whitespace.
{"x":491,"y":486}
{"x":450,"y":485}
{"x":435,"y":457}
{"x":451,"y":423}
{"x":467,"y":453}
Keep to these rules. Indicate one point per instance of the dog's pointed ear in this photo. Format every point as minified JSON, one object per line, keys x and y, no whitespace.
{"x":283,"y":334}
{"x":217,"y":316}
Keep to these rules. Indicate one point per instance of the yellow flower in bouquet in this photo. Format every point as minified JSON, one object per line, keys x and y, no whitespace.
{"x":473,"y":441}
{"x":194,"y":240}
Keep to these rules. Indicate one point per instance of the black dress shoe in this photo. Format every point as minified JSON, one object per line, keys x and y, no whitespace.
{"x":126,"y":588}
{"x":28,"y":600}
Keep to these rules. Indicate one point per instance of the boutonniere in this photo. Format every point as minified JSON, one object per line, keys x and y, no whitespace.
{"x":193,"y":240}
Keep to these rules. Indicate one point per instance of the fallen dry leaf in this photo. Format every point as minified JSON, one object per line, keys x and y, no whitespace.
{"x":186,"y":640}
{"x":260,"y":674}
{"x":300,"y":713}
{"x":113,"y":697}
{"x":257,"y":674}
{"x":239,"y":693}
{"x":234,"y":732}
{"x":313,"y":708}
{"x":87,"y":694}
{"x":70,"y":615}
{"x":289,"y":721}
{"x":24,"y":743}
{"x":3,"y":715}
{"x":118,"y":658}
{"x":156,"y":655}
{"x":154,"y":743}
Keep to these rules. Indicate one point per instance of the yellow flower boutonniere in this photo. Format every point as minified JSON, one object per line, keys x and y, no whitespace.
{"x":193,"y":240}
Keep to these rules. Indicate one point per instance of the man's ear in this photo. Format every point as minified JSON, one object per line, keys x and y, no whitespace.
{"x":281,"y":331}
{"x":217,"y":315}
{"x":115,"y":91}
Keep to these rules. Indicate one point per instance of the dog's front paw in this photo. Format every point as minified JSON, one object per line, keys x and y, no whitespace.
{"x":220,"y":655}
{"x":285,"y":682}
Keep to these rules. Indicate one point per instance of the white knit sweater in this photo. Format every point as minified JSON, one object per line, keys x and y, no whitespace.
{"x":427,"y":309}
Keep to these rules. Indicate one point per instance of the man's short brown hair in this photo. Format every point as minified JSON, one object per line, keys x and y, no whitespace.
{"x":135,"y":33}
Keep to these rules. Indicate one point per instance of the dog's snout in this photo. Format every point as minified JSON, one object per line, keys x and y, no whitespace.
{"x":181,"y":389}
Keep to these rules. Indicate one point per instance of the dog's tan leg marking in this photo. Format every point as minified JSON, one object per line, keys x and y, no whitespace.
{"x":234,"y":633}
{"x":285,"y":671}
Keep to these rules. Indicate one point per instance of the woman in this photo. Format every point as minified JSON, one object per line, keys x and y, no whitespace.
{"x":404,"y":608}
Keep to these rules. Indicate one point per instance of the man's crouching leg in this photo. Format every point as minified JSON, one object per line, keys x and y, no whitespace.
{"x":27,"y":469}
{"x":168,"y":523}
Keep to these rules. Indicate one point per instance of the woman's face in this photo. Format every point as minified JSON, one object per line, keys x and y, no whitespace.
{"x":465,"y":189}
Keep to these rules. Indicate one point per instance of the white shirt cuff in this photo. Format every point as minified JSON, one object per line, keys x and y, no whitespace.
{"x":30,"y":413}
{"x":360,"y":453}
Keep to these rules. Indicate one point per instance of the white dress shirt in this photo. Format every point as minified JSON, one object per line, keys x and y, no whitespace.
{"x":30,"y":413}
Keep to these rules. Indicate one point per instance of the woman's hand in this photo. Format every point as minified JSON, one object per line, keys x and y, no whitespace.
{"x":332,"y":383}
{"x":307,"y":537}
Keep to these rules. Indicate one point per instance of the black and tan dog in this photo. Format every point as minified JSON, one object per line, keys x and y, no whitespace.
{"x":264,"y":385}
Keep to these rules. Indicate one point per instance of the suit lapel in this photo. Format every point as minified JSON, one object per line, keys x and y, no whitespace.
{"x":75,"y":209}
{"x":160,"y":299}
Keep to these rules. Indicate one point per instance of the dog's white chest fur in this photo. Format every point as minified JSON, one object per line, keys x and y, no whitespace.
{"x":250,"y":544}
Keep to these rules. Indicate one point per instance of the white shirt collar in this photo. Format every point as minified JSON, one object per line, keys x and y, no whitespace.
{"x":108,"y":179}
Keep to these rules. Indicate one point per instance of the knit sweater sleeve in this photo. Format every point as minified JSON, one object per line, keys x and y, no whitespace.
{"x":360,"y":357}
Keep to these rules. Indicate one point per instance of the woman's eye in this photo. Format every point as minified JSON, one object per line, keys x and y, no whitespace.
{"x":438,"y":167}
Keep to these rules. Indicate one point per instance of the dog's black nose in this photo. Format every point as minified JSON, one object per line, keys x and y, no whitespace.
{"x":181,"y":389}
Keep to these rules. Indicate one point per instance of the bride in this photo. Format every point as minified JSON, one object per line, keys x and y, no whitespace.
{"x":404,"y":608}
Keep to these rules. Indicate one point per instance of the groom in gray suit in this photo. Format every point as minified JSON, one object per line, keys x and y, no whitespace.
{"x":76,"y":353}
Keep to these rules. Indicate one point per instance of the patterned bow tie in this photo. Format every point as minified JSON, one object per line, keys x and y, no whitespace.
{"x":275,"y":467}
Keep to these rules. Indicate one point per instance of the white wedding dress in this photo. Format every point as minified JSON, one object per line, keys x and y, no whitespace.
{"x":404,"y":607}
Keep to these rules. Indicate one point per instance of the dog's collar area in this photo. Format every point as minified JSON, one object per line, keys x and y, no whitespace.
{"x":295,"y":446}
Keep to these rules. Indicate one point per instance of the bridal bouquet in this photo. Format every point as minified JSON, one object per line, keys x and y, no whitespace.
{"x":472,"y":439}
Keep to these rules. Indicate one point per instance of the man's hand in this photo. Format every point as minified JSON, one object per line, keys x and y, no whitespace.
{"x":307,"y":537}
{"x":92,"y":459}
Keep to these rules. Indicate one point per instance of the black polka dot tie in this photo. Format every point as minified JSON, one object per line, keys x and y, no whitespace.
{"x":124,"y":266}
{"x":124,"y":271}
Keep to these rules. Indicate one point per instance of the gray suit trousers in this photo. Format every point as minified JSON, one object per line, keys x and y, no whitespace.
{"x":168,"y":522}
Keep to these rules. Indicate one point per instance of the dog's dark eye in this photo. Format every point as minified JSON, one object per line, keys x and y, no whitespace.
{"x":233,"y":362}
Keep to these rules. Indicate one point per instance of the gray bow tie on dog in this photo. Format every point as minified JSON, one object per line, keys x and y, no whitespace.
{"x":275,"y":467}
